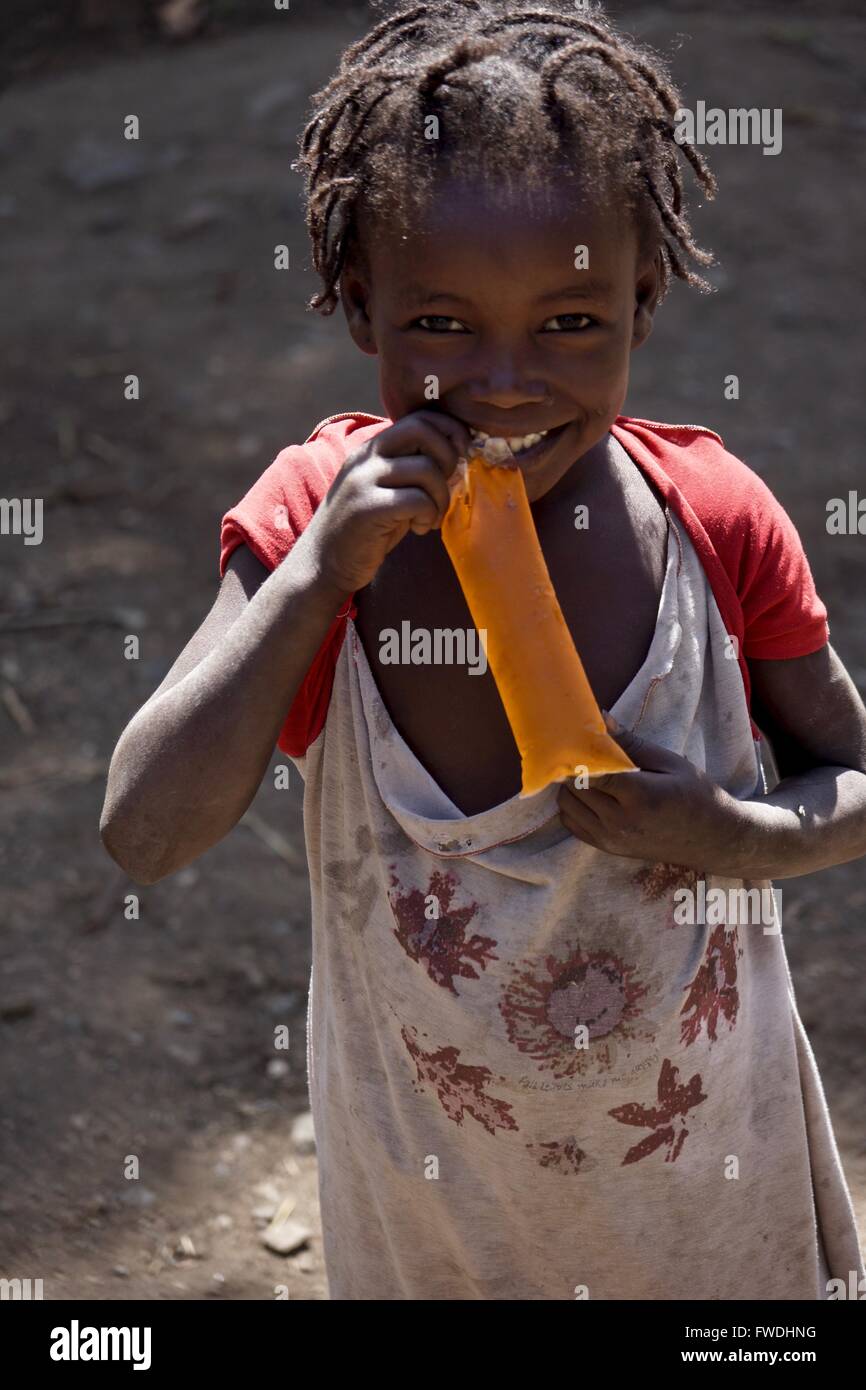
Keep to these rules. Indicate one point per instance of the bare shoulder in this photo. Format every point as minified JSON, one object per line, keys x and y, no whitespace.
{"x":625,"y":521}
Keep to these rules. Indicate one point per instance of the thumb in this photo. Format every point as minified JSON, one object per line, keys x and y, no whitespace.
{"x":652,"y":757}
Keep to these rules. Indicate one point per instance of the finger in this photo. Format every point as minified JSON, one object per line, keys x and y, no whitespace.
{"x":597,"y":802}
{"x":651,"y":757}
{"x":416,"y":471}
{"x":452,"y":428}
{"x":413,"y":505}
{"x":581,"y":823}
{"x":444,"y":441}
{"x":605,"y":783}
{"x":573,"y":802}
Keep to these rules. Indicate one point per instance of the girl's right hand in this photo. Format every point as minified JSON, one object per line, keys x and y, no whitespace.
{"x":397,"y":482}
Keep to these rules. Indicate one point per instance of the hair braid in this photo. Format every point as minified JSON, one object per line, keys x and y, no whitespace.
{"x":467,"y":51}
{"x":533,"y":90}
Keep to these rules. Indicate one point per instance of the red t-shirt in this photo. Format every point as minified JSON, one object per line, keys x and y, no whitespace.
{"x":749,"y":547}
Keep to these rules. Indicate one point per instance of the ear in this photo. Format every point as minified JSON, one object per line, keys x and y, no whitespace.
{"x":646,"y":297}
{"x":355,"y":299}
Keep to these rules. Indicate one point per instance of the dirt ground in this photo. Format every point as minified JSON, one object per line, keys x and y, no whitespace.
{"x":154,"y":1037}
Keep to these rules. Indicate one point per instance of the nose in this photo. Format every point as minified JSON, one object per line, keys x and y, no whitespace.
{"x":504,"y":387}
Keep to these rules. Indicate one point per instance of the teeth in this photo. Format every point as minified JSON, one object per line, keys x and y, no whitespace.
{"x":516,"y":443}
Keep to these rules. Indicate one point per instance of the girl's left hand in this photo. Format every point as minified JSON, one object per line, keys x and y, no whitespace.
{"x":668,"y":811}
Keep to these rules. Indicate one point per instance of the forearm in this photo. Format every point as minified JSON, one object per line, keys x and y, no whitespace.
{"x":808,"y":822}
{"x":189,"y":763}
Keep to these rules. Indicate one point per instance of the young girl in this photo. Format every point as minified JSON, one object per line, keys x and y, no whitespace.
{"x":553,"y":1048}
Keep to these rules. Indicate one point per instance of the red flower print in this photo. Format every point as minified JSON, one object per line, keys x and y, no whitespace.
{"x":460,"y":1088}
{"x":713,"y":991}
{"x":543,"y":1007}
{"x":666,"y":1120}
{"x":440,"y":943}
{"x":560,"y":1155}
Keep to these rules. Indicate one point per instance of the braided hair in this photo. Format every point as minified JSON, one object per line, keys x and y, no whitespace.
{"x":526,"y":96}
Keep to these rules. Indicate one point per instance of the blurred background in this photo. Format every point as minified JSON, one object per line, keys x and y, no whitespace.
{"x":154,"y":1037}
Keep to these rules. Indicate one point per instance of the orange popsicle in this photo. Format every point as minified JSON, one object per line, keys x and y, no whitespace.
{"x":490,"y":537}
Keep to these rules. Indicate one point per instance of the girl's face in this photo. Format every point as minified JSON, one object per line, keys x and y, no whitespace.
{"x":486,"y":312}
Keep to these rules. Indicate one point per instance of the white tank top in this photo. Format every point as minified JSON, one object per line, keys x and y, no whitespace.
{"x":528,"y":1079}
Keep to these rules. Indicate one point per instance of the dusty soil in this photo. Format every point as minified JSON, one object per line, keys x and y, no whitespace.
{"x":154,"y":1037}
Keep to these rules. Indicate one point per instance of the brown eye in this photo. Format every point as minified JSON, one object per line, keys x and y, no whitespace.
{"x":438,"y":319}
{"x":579,"y":322}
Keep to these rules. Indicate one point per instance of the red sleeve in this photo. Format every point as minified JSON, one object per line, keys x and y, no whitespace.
{"x":269,"y":519}
{"x":783,"y":615}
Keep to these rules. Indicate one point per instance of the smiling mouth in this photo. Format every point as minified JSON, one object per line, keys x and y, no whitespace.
{"x":525,"y":447}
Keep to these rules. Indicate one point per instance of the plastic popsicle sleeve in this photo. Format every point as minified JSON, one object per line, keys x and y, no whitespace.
{"x":491,"y":539}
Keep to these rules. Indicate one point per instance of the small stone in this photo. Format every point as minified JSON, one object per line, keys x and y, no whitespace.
{"x":285,"y":1236}
{"x":277,"y":1068}
{"x":264,"y":1212}
{"x":121,"y":1271}
{"x":275,"y":1213}
{"x":180,"y":19}
{"x":303,"y":1134}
